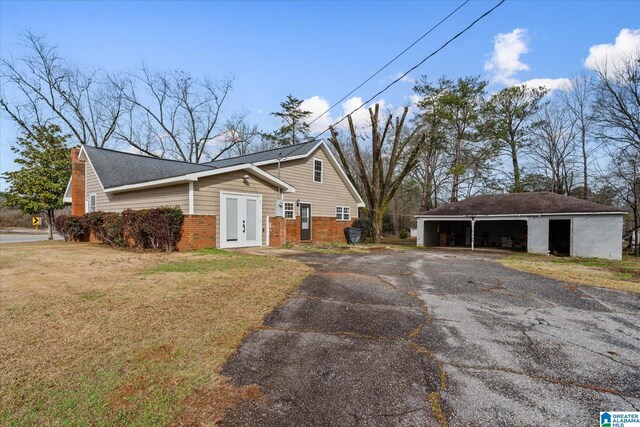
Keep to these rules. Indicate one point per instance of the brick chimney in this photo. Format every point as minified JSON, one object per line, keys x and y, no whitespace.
{"x":77,"y":183}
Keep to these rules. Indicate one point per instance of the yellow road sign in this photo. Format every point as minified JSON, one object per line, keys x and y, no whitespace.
{"x":36,"y":221}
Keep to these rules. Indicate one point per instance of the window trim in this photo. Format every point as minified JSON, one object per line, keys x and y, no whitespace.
{"x":344,"y":211}
{"x":315,"y":159}
{"x":292,"y":210}
{"x":95,"y":202}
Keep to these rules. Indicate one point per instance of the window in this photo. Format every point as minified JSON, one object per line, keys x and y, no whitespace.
{"x":343,"y":213}
{"x":92,"y":203}
{"x":288,"y":210}
{"x":317,"y":170}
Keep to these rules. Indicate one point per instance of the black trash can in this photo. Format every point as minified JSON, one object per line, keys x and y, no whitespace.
{"x":353,"y":235}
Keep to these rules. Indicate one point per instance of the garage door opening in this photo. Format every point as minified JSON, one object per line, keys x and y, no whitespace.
{"x":560,"y":237}
{"x":505,"y":234}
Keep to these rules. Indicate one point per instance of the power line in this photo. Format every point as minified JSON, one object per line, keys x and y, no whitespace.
{"x":391,"y":61}
{"x":467,"y":28}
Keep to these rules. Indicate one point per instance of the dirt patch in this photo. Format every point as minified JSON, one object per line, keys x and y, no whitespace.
{"x":159,"y":353}
{"x":207,"y":406}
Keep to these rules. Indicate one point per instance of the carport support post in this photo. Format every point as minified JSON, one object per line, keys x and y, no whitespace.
{"x":473,"y":232}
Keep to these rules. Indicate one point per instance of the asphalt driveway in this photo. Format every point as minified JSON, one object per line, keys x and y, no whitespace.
{"x":428,"y":339}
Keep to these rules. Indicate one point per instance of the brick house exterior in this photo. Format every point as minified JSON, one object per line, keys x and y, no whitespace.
{"x":286,"y":195}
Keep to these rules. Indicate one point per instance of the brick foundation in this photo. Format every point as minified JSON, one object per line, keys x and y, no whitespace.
{"x":277,"y":231}
{"x":198,"y":232}
{"x":77,"y":184}
{"x":323,"y":229}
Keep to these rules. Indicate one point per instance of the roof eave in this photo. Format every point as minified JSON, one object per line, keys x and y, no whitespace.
{"x":183,"y":179}
{"x":517,"y":215}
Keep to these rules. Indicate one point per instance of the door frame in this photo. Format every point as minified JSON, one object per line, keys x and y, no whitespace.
{"x":310,"y":221}
{"x":223,"y":219}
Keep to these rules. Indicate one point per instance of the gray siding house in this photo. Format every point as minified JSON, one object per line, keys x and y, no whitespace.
{"x":541,"y":223}
{"x":289,"y":194}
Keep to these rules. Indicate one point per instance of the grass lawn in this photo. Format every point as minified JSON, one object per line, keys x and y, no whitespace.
{"x":622,"y":275}
{"x":389,"y":243}
{"x":96,"y":336}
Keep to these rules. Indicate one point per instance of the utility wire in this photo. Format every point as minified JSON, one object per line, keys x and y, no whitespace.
{"x":467,"y":28}
{"x":391,"y":61}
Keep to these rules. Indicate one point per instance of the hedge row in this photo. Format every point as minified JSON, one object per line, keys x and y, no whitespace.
{"x":142,"y":229}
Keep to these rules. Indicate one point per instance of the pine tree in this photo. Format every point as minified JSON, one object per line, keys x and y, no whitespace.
{"x":295,"y":129}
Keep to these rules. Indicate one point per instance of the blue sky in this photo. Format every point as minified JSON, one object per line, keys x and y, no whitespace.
{"x":315,"y":49}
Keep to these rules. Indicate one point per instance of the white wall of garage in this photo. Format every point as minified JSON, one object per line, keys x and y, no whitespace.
{"x":592,"y":235}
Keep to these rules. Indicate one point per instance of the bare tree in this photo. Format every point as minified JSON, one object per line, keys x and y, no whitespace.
{"x":41,"y":88}
{"x":433,"y":165}
{"x":173,"y":115}
{"x":623,"y":177}
{"x":391,"y":161}
{"x":617,"y":103}
{"x":242,"y":138}
{"x":554,"y":139}
{"x":578,"y":100}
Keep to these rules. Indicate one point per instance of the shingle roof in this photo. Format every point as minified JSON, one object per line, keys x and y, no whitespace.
{"x":520,"y":204}
{"x":284,"y":152}
{"x":115,"y":168}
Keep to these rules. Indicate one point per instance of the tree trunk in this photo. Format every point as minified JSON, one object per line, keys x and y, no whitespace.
{"x":517,"y":185}
{"x":456,"y":172}
{"x":425,"y":203}
{"x":376,"y":225}
{"x":636,"y":223}
{"x":585,"y":186}
{"x":50,"y":218}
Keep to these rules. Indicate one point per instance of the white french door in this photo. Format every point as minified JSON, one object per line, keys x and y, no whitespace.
{"x":240,"y":220}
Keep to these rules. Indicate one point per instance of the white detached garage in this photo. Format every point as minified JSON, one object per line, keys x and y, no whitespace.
{"x":539,"y":223}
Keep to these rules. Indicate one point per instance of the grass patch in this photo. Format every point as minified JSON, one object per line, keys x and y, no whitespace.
{"x":215,"y":264}
{"x":214,"y":251}
{"x":623,"y":275}
{"x":341,"y":248}
{"x":96,"y":336}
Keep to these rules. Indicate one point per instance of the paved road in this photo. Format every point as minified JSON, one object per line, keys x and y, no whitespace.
{"x":423,"y":339}
{"x":26,"y":237}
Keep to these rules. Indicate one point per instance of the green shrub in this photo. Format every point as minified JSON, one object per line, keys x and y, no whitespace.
{"x":135,"y":225}
{"x":71,"y":227}
{"x":158,"y":228}
{"x":403,"y":234}
{"x":106,"y":227}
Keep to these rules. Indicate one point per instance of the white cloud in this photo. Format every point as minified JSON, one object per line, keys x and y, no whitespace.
{"x":317,"y":105}
{"x":505,"y":62}
{"x":361,"y":117}
{"x":405,"y":79}
{"x":399,"y":75}
{"x":611,"y":55}
{"x":414,"y":100}
{"x":551,"y":84}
